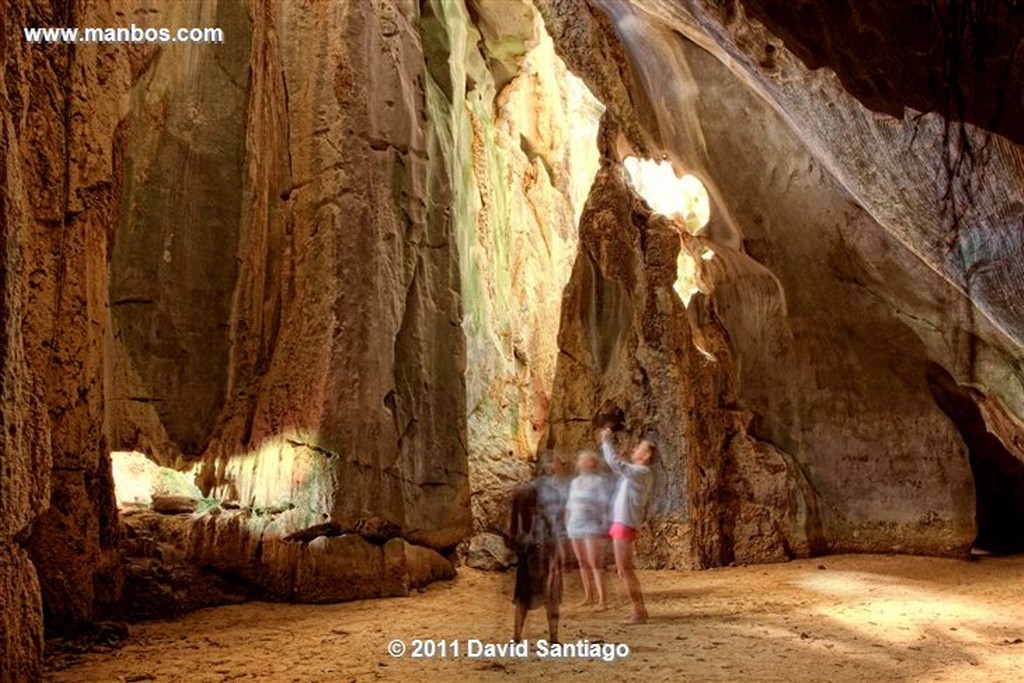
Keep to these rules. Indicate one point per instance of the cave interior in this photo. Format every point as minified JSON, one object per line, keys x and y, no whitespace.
{"x":288,"y":316}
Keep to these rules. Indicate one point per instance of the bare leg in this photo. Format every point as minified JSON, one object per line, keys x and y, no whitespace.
{"x":553,"y":595}
{"x":552,"y":610}
{"x":593,"y":553}
{"x":627,"y":574}
{"x":566,"y":552}
{"x":579,"y":546}
{"x":520,"y":620}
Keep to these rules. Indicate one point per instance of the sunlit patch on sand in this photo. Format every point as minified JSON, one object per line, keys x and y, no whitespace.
{"x":888,"y":609}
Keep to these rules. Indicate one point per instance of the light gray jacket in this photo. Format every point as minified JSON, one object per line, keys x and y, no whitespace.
{"x":629,"y":504}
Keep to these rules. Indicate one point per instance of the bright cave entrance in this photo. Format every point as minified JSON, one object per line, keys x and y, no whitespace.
{"x":684,"y":199}
{"x":140,"y":483}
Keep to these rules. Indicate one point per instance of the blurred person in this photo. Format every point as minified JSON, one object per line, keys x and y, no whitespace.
{"x":536,"y":529}
{"x":629,"y":506}
{"x":552,"y":493}
{"x":587,"y":526}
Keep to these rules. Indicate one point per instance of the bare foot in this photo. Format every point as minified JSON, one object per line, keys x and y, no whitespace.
{"x":635,"y":618}
{"x":601,"y":607}
{"x":585,"y":602}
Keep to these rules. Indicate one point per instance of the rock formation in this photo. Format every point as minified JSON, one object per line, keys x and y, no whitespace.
{"x":836,"y":277}
{"x":628,"y":355}
{"x":519,"y":137}
{"x":210,"y":256}
{"x":348,"y":267}
{"x":60,"y":201}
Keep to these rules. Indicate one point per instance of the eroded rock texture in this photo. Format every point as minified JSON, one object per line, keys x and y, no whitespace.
{"x":960,"y":59}
{"x":318,"y":251}
{"x":835,"y":276}
{"x":318,"y":254}
{"x":623,"y":341}
{"x":58,"y":205}
{"x":627,"y":355}
{"x":175,"y":563}
{"x":519,"y":142}
{"x":236,"y":254}
{"x":327,"y":568}
{"x":325,"y":260}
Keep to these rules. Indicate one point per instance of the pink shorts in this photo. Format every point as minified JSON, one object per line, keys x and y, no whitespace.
{"x":621,"y":532}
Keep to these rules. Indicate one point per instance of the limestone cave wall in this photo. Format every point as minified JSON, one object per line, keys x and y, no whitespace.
{"x":628,"y":356}
{"x":354,"y":266}
{"x":840,"y":269}
{"x":240,"y":256}
{"x":292,"y":326}
{"x":61,"y":188}
{"x":520,"y":141}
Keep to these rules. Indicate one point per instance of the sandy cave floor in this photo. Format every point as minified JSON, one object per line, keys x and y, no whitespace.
{"x":839,"y":618}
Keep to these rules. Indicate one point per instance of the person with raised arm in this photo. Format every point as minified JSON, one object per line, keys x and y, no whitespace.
{"x":629,"y":505}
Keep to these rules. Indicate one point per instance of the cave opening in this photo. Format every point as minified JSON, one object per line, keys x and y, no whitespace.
{"x":683,"y":198}
{"x":998,"y":473}
{"x":668,"y":192}
{"x":139,"y":482}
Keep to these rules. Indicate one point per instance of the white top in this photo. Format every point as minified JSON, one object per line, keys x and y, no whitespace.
{"x":587,"y":507}
{"x":629,"y":504}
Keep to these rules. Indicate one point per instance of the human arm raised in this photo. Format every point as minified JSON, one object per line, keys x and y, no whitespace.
{"x":612,"y":458}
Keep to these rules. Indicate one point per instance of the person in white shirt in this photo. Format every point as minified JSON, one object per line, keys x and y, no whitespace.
{"x":629,"y":505}
{"x":587,"y":525}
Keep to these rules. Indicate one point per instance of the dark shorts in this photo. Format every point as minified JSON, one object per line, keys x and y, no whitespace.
{"x":538,"y":576}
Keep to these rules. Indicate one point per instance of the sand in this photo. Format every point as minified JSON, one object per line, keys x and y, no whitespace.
{"x":837,"y":619}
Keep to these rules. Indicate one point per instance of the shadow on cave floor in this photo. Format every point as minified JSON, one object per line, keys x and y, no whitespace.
{"x":998,"y":474}
{"x":839,"y":618}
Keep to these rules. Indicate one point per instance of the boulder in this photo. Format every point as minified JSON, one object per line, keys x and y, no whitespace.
{"x":426,"y":565}
{"x":338,"y":568}
{"x":489,"y":551}
{"x":174,"y":505}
